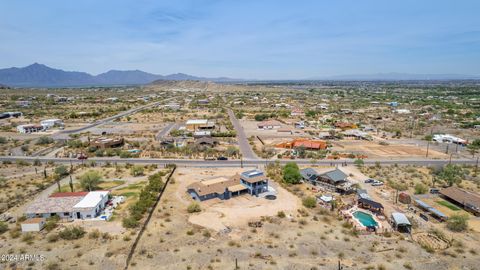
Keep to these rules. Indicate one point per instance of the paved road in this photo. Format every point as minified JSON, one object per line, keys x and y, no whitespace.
{"x":164,"y":132}
{"x":64,"y":133}
{"x":245,"y":148}
{"x":238,"y":163}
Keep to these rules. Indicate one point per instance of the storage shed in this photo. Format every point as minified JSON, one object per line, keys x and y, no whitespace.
{"x":33,"y":225}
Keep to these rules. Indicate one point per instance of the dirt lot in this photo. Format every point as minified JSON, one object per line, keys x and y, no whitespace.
{"x":375,"y":150}
{"x":219,"y":215}
{"x":312,"y":240}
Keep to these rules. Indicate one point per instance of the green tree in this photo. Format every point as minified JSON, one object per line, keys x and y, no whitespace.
{"x":359,"y":162}
{"x":90,"y":180}
{"x":261,"y":117}
{"x":451,"y":174}
{"x":291,"y":173}
{"x":61,"y":171}
{"x":474,"y":147}
{"x":421,"y":188}
{"x":137,"y":170}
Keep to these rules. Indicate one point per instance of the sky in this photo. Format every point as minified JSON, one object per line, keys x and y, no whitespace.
{"x":248,"y":39}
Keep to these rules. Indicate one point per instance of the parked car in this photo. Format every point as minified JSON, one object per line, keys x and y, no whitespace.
{"x":424,"y":217}
{"x":369,"y":180}
{"x":434,"y":190}
{"x":377,"y":183}
{"x":222,"y":158}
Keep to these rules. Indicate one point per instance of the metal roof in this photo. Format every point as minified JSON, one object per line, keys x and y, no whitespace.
{"x":400,"y":219}
{"x":309,"y":173}
{"x":335,"y":175}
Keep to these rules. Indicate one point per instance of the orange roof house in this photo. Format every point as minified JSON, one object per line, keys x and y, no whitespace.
{"x":307,"y":143}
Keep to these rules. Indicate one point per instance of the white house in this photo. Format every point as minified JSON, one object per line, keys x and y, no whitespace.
{"x":447,"y":138}
{"x":49,"y":123}
{"x":33,"y":225}
{"x":69,"y":205}
{"x":269,"y":124}
{"x":29,"y":128}
{"x":91,"y":205}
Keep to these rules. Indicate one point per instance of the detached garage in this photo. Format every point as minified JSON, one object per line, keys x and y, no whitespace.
{"x":33,"y":225}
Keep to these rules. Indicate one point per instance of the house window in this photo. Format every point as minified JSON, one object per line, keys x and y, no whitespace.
{"x":66,"y":214}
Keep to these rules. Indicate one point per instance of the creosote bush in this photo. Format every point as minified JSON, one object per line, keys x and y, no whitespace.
{"x":194,"y":208}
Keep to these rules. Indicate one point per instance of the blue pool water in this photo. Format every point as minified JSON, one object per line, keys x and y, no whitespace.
{"x":366,"y":219}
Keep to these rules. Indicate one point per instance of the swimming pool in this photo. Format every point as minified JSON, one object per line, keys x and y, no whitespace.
{"x":366,"y":219}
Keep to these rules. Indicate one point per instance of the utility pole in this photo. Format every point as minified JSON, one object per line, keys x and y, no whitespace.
{"x":476,"y":166}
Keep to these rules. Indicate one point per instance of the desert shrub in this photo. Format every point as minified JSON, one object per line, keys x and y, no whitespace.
{"x":458,"y":222}
{"x":72,"y":233}
{"x":28,"y":237}
{"x":421,"y":188}
{"x":44,"y":140}
{"x":3,"y":227}
{"x":62,"y":170}
{"x":281,"y":214}
{"x":129,"y":222}
{"x":94,"y":234}
{"x":51,"y":223}
{"x":52,"y":238}
{"x":137,"y":170}
{"x":194,"y":208}
{"x":309,"y":202}
{"x":3,"y":140}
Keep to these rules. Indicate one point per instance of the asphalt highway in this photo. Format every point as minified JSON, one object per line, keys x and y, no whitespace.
{"x":239,"y":163}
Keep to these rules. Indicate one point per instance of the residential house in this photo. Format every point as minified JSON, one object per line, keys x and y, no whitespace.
{"x":199,"y":124}
{"x":345,"y":125}
{"x":29,"y":128}
{"x":269,"y":124}
{"x":69,"y":205}
{"x":306,"y":143}
{"x":297,"y":112}
{"x":253,"y":182}
{"x":469,"y":201}
{"x":107,"y":142}
{"x":336,"y":180}
{"x":50,"y":123}
{"x":447,"y":138}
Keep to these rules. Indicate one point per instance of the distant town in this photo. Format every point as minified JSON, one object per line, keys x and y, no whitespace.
{"x":223,"y":175}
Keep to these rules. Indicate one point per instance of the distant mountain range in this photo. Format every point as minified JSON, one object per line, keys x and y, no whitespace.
{"x":38,"y":75}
